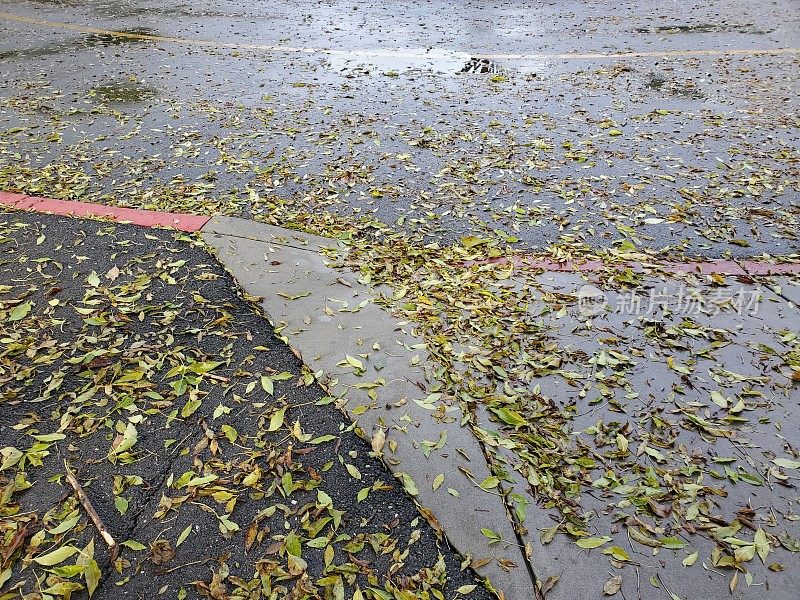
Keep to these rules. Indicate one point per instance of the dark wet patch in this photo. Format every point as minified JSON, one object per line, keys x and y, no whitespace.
{"x":32,"y":52}
{"x":123,"y":92}
{"x":93,"y":40}
{"x":126,"y":36}
{"x":664,"y":84}
{"x":481,"y":65}
{"x":125,"y":8}
{"x":705,"y":28}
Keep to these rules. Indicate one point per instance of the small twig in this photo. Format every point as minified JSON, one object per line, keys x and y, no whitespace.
{"x":189,"y":564}
{"x":219,"y":378}
{"x":113,"y":547}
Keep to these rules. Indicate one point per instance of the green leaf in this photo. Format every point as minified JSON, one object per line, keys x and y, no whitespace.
{"x":762,"y":545}
{"x":230,"y":433}
{"x":93,"y":279}
{"x":20,"y":311}
{"x":190,"y":407}
{"x":184,"y":534}
{"x":792,"y":544}
{"x":129,"y":439}
{"x":617,"y":553}
{"x":491,"y":535}
{"x":511,"y":417}
{"x":324,"y":500}
{"x":89,"y":567}
{"x":490,"y":483}
{"x":55,"y":557}
{"x":201,"y":481}
{"x":121,"y":504}
{"x":318,"y":542}
{"x":354,"y":362}
{"x":547,"y":535}
{"x":203,"y":367}
{"x":276,"y":421}
{"x":787,"y":463}
{"x":719,"y":399}
{"x":67,"y":524}
{"x":134,"y":545}
{"x":673,"y":543}
{"x":408,"y":484}
{"x":220,"y":410}
{"x":592,"y":542}
{"x":92,"y":576}
{"x":49,"y":437}
{"x":748,"y":478}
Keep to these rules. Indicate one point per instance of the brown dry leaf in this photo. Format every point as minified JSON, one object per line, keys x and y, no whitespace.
{"x":613,"y":585}
{"x":112,"y":273}
{"x":660,"y":510}
{"x":161,"y":552}
{"x":378,"y":441}
{"x":734,"y":581}
{"x":550,"y":583}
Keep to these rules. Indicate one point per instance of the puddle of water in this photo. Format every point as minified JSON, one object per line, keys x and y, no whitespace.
{"x":126,"y":8}
{"x":396,"y":61}
{"x":481,"y":65}
{"x":663,"y":84}
{"x":33,"y":52}
{"x":92,"y":40}
{"x":123,"y":92}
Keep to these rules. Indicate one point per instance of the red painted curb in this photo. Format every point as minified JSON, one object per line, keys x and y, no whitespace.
{"x":761,"y":268}
{"x":72,"y":208}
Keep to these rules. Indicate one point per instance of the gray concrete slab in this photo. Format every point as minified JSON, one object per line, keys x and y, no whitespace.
{"x":263,"y":232}
{"x":787,"y":287}
{"x":375,"y":368}
{"x":770,"y":430}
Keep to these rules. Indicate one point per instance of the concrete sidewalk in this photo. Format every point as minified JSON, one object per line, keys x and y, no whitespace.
{"x":379,"y":371}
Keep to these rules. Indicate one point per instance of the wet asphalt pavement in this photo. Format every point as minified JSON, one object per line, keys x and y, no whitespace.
{"x":364,"y":108}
